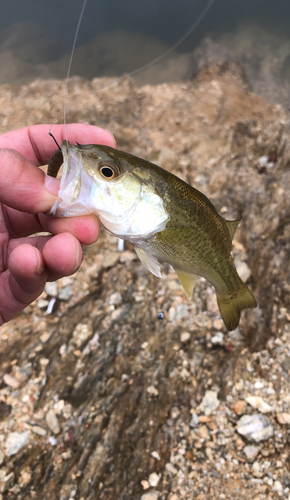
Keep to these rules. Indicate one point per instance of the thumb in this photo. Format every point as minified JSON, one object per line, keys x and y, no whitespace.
{"x":24,"y":186}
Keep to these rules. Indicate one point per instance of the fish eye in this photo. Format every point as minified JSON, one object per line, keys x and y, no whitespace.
{"x":109,"y":170}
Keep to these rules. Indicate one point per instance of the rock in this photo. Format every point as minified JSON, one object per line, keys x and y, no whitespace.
{"x":209,"y":402}
{"x":156,"y":455}
{"x":185,"y":337}
{"x":45,"y":337}
{"x":65,"y":294}
{"x":153,"y":495}
{"x":170,"y":468}
{"x":152,"y":390}
{"x":11,"y":381}
{"x":217,"y":324}
{"x":145,"y":484}
{"x":286,"y":364}
{"x":277,"y":486}
{"x":42,"y":303}
{"x":37,"y":429}
{"x":115,"y":299}
{"x":194,"y":421}
{"x":7,"y":482}
{"x":218,"y":339}
{"x":15,"y":442}
{"x":256,"y":427}
{"x":256,"y":469}
{"x":52,"y":422}
{"x":283,"y":418}
{"x":263,"y":160}
{"x":240,"y":407}
{"x":251,"y":451}
{"x":128,"y":257}
{"x":259,"y":404}
{"x":153,"y":479}
{"x":111,"y":259}
{"x":243,"y":269}
{"x":203,"y":432}
{"x":51,"y":289}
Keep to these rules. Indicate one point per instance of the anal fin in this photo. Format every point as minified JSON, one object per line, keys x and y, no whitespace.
{"x":149,"y":261}
{"x":187,"y":281}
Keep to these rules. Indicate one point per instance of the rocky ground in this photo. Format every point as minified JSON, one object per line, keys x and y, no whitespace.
{"x":127,"y":390}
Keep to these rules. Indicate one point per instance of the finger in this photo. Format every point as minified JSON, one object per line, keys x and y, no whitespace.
{"x":29,"y":269}
{"x":61,"y":255}
{"x":19,"y":224}
{"x":37,"y":146}
{"x":22,"y":185}
{"x":22,"y":282}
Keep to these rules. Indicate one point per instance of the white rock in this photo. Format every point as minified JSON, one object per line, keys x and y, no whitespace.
{"x":156,"y":455}
{"x":263,"y":160}
{"x":65,"y":293}
{"x":42,"y":303}
{"x":278,"y":487}
{"x":194,"y":421}
{"x":153,"y":495}
{"x":51,"y":289}
{"x":256,"y":427}
{"x":15,"y":442}
{"x":153,"y":479}
{"x":11,"y":381}
{"x":170,"y":468}
{"x":251,"y":451}
{"x":37,"y":429}
{"x":259,"y":404}
{"x":283,"y":418}
{"x":185,"y":337}
{"x":152,"y":390}
{"x":218,"y":339}
{"x":209,"y":402}
{"x":115,"y":299}
{"x":243,"y":270}
{"x":52,"y":422}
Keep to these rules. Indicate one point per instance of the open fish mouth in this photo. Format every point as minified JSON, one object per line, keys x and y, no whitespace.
{"x":75,"y":186}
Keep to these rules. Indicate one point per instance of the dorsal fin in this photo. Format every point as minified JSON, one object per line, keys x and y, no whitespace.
{"x":232,"y":226}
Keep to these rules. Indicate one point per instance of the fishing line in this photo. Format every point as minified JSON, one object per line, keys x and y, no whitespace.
{"x":142,"y":68}
{"x":70,"y":62}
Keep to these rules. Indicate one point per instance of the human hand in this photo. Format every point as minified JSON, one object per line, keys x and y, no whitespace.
{"x":27,"y":263}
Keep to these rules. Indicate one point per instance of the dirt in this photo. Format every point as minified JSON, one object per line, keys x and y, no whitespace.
{"x":127,"y":364}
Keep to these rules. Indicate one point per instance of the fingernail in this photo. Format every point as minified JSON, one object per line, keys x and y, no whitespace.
{"x":40,"y":266}
{"x":112,"y":137}
{"x":51,"y":184}
{"x":79,"y":256}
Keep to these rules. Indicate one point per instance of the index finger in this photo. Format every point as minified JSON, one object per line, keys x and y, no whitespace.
{"x":35,"y":144}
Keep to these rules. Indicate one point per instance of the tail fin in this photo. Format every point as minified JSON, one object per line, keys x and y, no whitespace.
{"x":231,"y":307}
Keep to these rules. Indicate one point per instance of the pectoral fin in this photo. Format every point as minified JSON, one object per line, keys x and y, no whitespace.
{"x":188,"y":282}
{"x":149,"y":261}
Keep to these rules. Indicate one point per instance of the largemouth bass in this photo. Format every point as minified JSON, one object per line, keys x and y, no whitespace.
{"x":165,"y":219}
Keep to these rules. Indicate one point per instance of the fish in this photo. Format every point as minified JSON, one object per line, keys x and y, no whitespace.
{"x":165,"y":219}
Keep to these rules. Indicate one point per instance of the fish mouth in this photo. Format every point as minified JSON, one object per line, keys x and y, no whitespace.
{"x":75,"y":186}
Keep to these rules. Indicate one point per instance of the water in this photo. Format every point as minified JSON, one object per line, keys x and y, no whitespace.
{"x":117,"y":37}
